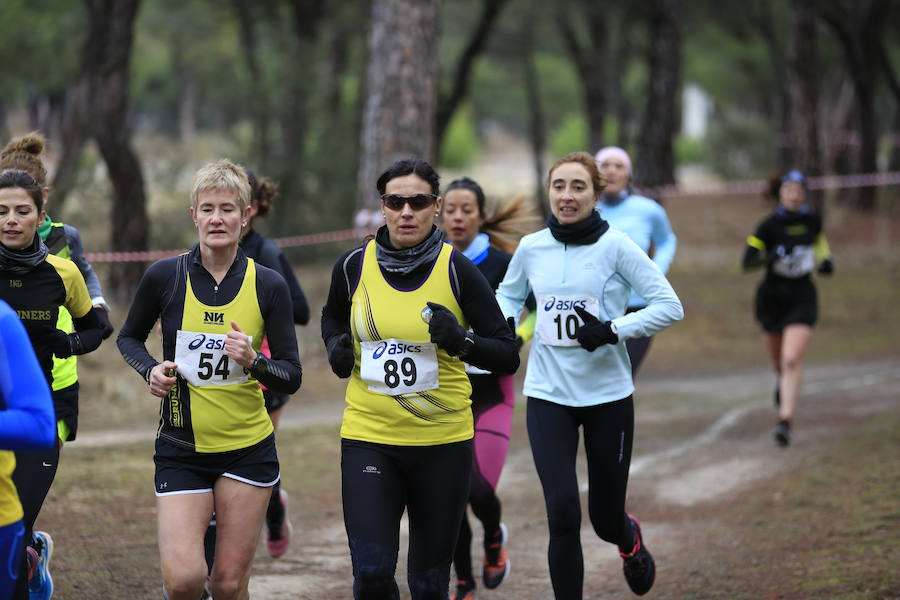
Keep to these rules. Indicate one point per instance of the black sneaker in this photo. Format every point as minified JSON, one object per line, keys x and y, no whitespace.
{"x":783,"y":433}
{"x":638,"y":565}
{"x":465,"y":590}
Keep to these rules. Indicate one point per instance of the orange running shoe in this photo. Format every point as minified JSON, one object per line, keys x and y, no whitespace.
{"x":465,"y":590}
{"x":496,"y":561}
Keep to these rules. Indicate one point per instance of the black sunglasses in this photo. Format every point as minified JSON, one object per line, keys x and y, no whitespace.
{"x":416,"y":202}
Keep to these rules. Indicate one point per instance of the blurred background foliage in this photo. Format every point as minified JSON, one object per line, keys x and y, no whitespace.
{"x":280,"y":85}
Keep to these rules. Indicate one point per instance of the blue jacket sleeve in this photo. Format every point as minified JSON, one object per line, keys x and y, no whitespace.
{"x":664,"y":240}
{"x":27,"y":423}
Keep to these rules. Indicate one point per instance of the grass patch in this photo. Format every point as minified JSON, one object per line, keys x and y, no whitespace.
{"x":828,"y":529}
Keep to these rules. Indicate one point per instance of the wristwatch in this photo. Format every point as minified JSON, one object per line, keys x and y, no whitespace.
{"x":468,"y":344}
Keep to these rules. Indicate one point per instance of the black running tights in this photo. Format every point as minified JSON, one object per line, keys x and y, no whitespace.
{"x":34,"y":474}
{"x":379,"y":481}
{"x":553,"y":430}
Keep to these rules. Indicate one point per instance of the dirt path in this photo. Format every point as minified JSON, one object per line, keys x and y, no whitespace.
{"x":702,"y":443}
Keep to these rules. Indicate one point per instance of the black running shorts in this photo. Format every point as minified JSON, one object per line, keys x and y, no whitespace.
{"x":182,"y":471}
{"x":782,"y":302}
{"x":275,"y":400}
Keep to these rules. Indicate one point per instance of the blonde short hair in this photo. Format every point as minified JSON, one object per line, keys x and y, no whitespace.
{"x":221,"y":175}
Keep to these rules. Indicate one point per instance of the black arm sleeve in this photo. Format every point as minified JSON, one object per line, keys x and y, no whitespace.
{"x":298,"y":298}
{"x":281,"y":372}
{"x":495,"y":347}
{"x":142,"y":315}
{"x":336,"y":312}
{"x":89,"y":331}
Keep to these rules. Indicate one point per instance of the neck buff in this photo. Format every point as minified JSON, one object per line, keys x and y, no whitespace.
{"x":614,"y":200}
{"x":781,"y":211}
{"x":478,"y":249}
{"x":584,"y":232}
{"x":406,"y":260}
{"x":44,"y":228}
{"x":24,"y":260}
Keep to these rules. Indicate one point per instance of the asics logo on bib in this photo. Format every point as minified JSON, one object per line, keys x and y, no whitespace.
{"x":212,"y":344}
{"x":213,"y":318}
{"x":563,"y":304}
{"x":394,"y":349}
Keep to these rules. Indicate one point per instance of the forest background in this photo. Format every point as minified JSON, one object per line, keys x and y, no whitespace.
{"x":320,"y":96}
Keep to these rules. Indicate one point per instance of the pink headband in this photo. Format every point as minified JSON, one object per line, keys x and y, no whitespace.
{"x":613,"y":152}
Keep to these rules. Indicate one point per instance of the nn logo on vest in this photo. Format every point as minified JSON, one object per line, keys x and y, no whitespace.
{"x":213,"y":318}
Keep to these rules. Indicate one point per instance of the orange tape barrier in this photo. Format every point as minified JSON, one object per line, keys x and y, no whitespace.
{"x":725,"y":188}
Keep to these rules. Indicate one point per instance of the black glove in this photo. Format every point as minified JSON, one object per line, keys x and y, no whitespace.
{"x":103,"y":317}
{"x":56,"y":341}
{"x":445,"y":330}
{"x":827,"y":267}
{"x":512,"y":327}
{"x":593,"y":333}
{"x":340,"y":354}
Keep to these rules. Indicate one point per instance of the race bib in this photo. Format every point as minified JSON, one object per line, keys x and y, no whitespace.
{"x":397,"y":367}
{"x":202,"y":360}
{"x":794,"y":263}
{"x":557,"y":320}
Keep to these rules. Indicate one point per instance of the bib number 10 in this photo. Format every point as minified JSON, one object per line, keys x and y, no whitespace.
{"x":566,"y":326}
{"x":394,"y":371}
{"x":207,"y":370}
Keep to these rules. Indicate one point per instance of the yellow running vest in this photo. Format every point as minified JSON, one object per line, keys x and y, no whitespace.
{"x":10,"y":508}
{"x":404,"y":390}
{"x":65,"y":370}
{"x":227,"y":411}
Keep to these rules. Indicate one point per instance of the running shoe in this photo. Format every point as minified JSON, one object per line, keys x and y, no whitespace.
{"x":465,"y":590}
{"x":496,"y":561}
{"x":41,"y":585}
{"x":783,"y":433}
{"x":638,"y":565}
{"x":279,"y":534}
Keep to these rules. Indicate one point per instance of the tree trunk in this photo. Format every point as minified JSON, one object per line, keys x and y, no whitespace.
{"x":656,"y":157}
{"x":399,"y":115}
{"x":536,"y":129}
{"x":785,"y":138}
{"x":590,"y":60}
{"x":256,"y":100}
{"x":860,"y":34}
{"x":447,"y":106}
{"x":109,"y":53}
{"x":803,"y":83}
{"x":75,"y":131}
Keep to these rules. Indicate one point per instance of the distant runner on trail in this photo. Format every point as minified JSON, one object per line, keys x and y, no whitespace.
{"x":215,"y":447}
{"x":582,"y":273}
{"x":482,"y":239}
{"x":397,"y":324}
{"x":790,"y":244}
{"x":646,"y":223}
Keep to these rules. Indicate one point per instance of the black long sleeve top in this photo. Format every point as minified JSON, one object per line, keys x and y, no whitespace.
{"x":495,"y":345}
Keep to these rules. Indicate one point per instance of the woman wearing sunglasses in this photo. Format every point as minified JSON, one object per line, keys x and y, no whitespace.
{"x":397,"y":324}
{"x":36,"y":285}
{"x":582,"y":272}
{"x":215,"y":446}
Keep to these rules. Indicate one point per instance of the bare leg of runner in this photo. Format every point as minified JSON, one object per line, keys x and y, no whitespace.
{"x":240,"y":510}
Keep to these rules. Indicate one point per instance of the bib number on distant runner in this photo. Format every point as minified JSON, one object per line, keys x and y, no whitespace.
{"x":397,"y":367}
{"x":557,"y":321}
{"x":202,"y":360}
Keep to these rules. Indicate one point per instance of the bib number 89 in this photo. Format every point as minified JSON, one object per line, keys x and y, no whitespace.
{"x":571,"y":326}
{"x":393,"y":371}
